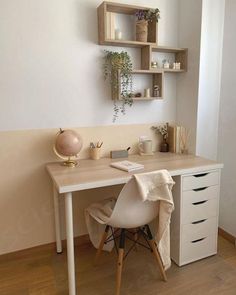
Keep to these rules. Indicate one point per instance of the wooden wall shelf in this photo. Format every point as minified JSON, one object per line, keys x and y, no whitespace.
{"x":124,"y":43}
{"x":168,"y":49}
{"x":173,"y":71}
{"x":157,"y":79}
{"x":123,"y":8}
{"x":142,"y":98}
{"x":109,"y":7}
{"x":147,"y":48}
{"x":156,"y":71}
{"x":181,"y":55}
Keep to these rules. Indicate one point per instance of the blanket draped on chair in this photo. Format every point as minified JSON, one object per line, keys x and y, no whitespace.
{"x":157,"y":186}
{"x":152,"y":186}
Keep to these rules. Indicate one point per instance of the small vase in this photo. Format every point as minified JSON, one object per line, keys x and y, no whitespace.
{"x":141,"y":30}
{"x":164,"y":146}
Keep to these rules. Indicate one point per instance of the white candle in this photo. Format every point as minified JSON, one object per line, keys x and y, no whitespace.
{"x":147,"y":92}
{"x":118,"y":34}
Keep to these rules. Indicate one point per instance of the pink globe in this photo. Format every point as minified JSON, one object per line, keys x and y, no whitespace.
{"x":68,"y":143}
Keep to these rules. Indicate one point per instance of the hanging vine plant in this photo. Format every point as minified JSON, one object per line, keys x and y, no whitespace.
{"x":118,"y":68}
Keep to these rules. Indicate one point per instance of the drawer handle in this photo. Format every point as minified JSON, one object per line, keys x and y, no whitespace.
{"x":199,"y":240}
{"x":201,"y":175}
{"x":199,"y":221}
{"x":199,"y":203}
{"x":200,"y":189}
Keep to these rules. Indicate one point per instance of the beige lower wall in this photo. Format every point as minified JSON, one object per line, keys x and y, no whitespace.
{"x":26,"y":208}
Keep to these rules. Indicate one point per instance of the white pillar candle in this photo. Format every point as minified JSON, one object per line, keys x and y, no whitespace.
{"x":147,"y":92}
{"x":118,"y":34}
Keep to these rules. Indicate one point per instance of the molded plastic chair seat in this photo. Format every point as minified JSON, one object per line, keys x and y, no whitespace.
{"x":128,"y":212}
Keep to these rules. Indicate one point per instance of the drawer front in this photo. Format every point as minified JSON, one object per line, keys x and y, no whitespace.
{"x":200,"y":180}
{"x":199,"y":210}
{"x":198,"y":249}
{"x":201,"y":194}
{"x":198,"y":229}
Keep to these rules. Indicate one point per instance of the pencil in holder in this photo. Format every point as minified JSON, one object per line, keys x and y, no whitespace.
{"x":95,"y":153}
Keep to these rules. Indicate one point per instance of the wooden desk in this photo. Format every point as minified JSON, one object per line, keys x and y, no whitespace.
{"x":93,"y":174}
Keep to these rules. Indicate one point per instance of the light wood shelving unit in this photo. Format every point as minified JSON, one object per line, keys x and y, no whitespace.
{"x":157,"y":79}
{"x":147,"y":48}
{"x":107,"y":7}
{"x":152,"y":71}
{"x":181,"y":55}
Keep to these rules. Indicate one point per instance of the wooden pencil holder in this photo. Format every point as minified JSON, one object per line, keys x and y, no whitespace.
{"x":95,"y":153}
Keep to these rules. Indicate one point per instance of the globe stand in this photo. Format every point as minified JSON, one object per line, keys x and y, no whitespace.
{"x":70,"y":163}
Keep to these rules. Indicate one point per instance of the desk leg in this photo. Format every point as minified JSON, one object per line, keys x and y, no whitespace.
{"x":70,"y":243}
{"x":57,"y":220}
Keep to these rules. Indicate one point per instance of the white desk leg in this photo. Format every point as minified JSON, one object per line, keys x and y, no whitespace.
{"x":57,"y":220}
{"x":70,"y":243}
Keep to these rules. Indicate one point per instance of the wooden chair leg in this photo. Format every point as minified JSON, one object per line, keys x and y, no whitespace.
{"x":103,"y":240}
{"x":156,"y":253}
{"x":120,"y":261}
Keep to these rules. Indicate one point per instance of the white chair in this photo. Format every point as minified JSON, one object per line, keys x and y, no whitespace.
{"x":130,"y":212}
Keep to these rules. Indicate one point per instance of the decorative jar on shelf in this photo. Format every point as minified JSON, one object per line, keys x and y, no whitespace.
{"x":164,"y":148}
{"x":141,"y":30}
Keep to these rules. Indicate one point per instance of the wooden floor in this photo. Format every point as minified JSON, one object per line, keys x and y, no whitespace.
{"x":40,"y":271}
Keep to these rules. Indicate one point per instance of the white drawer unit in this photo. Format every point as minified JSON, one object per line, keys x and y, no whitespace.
{"x":198,"y":229}
{"x":199,"y":210}
{"x":200,"y":194}
{"x":194,"y":223}
{"x":198,"y":249}
{"x":200,"y":180}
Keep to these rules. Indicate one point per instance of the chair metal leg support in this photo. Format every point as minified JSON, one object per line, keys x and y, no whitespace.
{"x":120,"y":261}
{"x":156,"y":253}
{"x":103,"y":240}
{"x":136,"y":239}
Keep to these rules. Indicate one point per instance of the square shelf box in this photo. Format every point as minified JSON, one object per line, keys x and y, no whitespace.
{"x":181,"y":55}
{"x":106,"y":26}
{"x":157,"y":79}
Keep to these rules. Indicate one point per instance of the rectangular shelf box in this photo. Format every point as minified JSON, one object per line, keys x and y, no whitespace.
{"x":109,"y":7}
{"x":157,"y":79}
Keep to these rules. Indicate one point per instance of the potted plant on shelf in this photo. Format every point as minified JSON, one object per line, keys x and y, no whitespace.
{"x":163,"y":130}
{"x":143,"y":17}
{"x":118,"y":68}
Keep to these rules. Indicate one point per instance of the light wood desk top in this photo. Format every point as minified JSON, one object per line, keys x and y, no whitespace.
{"x":92,"y":174}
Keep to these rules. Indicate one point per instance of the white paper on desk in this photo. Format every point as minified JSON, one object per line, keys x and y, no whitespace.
{"x":127,"y":166}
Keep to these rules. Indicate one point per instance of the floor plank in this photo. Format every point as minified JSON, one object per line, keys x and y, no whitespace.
{"x":40,"y":271}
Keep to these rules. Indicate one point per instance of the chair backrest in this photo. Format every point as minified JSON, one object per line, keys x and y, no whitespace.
{"x":130,"y":211}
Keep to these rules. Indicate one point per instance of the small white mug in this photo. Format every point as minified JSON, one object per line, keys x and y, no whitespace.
{"x":145,"y":146}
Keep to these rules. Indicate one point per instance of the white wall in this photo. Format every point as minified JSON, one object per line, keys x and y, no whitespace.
{"x":50,"y":76}
{"x":210,"y":77}
{"x":187,"y":91}
{"x":51,"y":66}
{"x":227,"y":123}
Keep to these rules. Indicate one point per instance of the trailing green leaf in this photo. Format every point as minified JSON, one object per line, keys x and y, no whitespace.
{"x":118,"y":68}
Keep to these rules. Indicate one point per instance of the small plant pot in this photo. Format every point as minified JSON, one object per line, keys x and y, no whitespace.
{"x":164,"y":148}
{"x":141,"y":31}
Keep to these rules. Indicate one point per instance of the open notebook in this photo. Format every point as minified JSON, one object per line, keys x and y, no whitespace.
{"x":127,"y":166}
